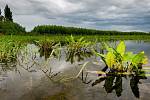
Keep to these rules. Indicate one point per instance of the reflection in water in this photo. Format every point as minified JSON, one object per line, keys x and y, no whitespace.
{"x":113,"y":81}
{"x":127,"y":66}
{"x":31,"y":59}
{"x":59,"y":96}
{"x":77,"y":55}
{"x":78,"y":50}
{"x":5,"y":68}
{"x":47,"y":48}
{"x":135,"y":80}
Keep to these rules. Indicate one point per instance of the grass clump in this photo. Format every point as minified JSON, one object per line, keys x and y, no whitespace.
{"x":77,"y":49}
{"x":9,"y":51}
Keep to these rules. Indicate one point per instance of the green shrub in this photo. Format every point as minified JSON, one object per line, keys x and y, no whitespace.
{"x":8,"y":28}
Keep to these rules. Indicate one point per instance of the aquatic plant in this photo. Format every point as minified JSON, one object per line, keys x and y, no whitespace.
{"x":48,"y":48}
{"x":120,"y":64}
{"x":118,"y":60}
{"x":77,"y":49}
{"x":8,"y":51}
{"x":113,"y":81}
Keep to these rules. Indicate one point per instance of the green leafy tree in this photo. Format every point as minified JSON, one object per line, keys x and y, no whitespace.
{"x":8,"y":27}
{"x":8,"y":13}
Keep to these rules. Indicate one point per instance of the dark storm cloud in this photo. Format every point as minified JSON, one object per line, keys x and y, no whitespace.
{"x":125,"y":15}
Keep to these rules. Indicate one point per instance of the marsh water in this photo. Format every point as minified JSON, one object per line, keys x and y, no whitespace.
{"x":35,"y":77}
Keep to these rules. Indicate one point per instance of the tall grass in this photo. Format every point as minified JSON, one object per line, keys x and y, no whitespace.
{"x":62,"y":38}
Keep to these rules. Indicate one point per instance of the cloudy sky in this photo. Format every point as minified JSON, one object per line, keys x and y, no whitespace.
{"x":122,"y":15}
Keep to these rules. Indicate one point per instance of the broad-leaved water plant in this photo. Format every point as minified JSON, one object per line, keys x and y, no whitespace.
{"x":120,"y":63}
{"x":119,"y":60}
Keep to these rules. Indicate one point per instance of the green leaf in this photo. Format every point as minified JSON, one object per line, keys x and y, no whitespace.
{"x":101,"y":55}
{"x":81,"y":39}
{"x":128,"y":56}
{"x":72,"y":39}
{"x":138,"y":58}
{"x":108,"y":48}
{"x":110,"y":59}
{"x":121,"y":48}
{"x":145,"y":60}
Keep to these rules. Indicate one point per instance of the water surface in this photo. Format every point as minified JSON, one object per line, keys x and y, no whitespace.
{"x":25,"y":80}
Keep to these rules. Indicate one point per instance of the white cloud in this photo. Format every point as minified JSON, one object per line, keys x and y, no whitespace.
{"x":86,"y":13}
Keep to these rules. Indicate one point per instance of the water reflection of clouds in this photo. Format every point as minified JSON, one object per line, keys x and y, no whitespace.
{"x":58,"y":65}
{"x":137,"y":46}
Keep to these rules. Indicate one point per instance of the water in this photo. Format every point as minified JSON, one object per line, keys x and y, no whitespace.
{"x":28,"y":80}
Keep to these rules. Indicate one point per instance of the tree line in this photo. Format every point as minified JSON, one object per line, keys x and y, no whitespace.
{"x":7,"y":26}
{"x":53,"y":29}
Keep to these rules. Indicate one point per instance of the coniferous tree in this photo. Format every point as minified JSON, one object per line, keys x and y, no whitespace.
{"x":0,"y":12}
{"x":8,"y":13}
{"x":1,"y":17}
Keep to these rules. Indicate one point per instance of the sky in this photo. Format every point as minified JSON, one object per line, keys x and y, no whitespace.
{"x":120,"y":15}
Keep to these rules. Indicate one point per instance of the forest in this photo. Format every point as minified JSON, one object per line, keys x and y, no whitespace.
{"x":61,"y":30}
{"x":8,"y":26}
